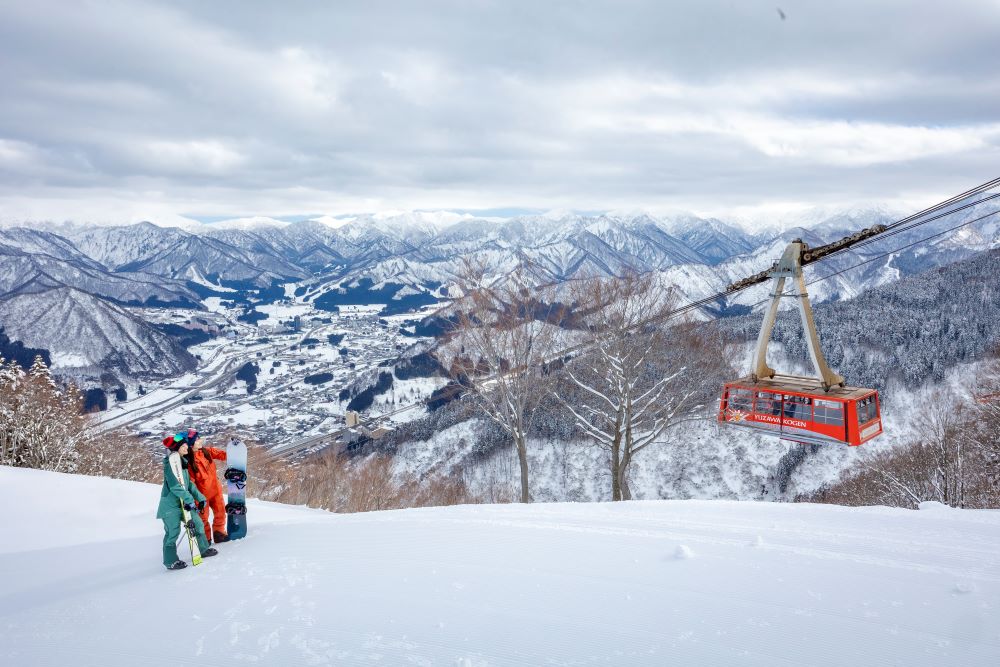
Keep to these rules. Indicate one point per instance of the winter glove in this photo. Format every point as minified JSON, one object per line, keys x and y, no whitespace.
{"x":190,"y":507}
{"x":190,"y":524}
{"x":201,"y":505}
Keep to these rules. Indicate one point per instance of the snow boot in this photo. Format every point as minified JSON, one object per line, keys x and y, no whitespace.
{"x":178,"y":565}
{"x":220,"y":537}
{"x":208,"y":552}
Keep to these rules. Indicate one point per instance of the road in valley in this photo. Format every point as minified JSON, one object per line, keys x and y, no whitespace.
{"x":223,"y":375}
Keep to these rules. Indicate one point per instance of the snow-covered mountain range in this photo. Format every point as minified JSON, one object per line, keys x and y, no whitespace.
{"x":35,"y":261}
{"x":701,"y":256}
{"x":414,"y":248}
{"x":408,"y":259}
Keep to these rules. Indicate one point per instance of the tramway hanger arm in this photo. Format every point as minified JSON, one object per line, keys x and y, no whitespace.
{"x":789,"y":267}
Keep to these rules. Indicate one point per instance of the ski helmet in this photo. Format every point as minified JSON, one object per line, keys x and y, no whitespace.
{"x":174,"y":442}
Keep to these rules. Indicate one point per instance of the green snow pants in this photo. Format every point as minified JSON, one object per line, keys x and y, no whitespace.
{"x":172,"y":531}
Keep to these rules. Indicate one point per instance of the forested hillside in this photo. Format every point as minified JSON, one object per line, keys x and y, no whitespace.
{"x":908,"y":332}
{"x":901,"y":338}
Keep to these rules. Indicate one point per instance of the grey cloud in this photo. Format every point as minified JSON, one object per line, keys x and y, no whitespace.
{"x":280,"y":108}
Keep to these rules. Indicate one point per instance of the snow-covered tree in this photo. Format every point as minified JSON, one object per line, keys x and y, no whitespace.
{"x":936,"y":464}
{"x":505,"y":332}
{"x":954,"y":458}
{"x":627,"y":393}
{"x":41,"y":423}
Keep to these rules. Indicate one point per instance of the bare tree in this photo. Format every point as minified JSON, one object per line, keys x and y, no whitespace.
{"x":985,"y":435}
{"x":934,"y":465}
{"x":947,"y":461}
{"x":623,"y":391}
{"x":506,"y":330}
{"x":337,"y":483}
{"x":128,"y":458}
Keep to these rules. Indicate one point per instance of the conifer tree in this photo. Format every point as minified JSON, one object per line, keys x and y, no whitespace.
{"x":40,"y":421}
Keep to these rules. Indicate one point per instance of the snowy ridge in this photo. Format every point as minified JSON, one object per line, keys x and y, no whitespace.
{"x":24,"y":273}
{"x":639,"y":583}
{"x":173,"y":252}
{"x":53,"y":246}
{"x":561,"y":245}
{"x":253,"y":222}
{"x":88,"y":336}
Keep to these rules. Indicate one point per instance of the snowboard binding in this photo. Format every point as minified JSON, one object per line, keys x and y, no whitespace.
{"x":238,"y":509}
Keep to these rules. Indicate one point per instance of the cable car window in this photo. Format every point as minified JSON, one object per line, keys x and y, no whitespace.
{"x":740,"y":399}
{"x":867,"y":409}
{"x":798,"y":407}
{"x":768,"y":403}
{"x":828,"y":412}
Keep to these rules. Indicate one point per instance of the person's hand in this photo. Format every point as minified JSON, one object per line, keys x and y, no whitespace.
{"x":201,"y":505}
{"x":190,"y":507}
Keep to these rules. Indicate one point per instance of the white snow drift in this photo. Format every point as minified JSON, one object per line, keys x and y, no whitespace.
{"x":654,"y":582}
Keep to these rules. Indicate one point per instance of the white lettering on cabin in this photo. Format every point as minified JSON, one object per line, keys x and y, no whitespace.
{"x":783,"y":421}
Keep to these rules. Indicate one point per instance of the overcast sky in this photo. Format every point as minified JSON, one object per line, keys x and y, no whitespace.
{"x":130,"y":110}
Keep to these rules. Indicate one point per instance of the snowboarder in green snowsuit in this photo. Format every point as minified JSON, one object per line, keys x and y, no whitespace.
{"x":171,"y":496}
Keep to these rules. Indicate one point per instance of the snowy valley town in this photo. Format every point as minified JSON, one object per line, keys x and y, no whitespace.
{"x":487,"y":334}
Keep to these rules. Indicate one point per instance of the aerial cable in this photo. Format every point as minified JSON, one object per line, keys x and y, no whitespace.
{"x":705,"y":301}
{"x":892,"y":230}
{"x":904,"y":247}
{"x":715,"y":297}
{"x":951,"y":200}
{"x":897,"y":227}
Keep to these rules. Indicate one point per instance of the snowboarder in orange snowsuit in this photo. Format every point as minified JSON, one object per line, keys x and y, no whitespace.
{"x":204,"y":476}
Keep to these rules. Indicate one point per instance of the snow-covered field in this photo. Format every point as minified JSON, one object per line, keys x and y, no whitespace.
{"x":656,"y":583}
{"x":278,"y":311}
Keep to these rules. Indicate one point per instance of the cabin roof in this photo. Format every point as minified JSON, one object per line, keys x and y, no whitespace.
{"x":802,"y":385}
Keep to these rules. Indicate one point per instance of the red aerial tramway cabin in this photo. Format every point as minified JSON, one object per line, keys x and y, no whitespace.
{"x":799,"y":409}
{"x":818,"y":410}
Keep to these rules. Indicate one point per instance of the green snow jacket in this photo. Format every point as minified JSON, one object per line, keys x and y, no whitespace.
{"x":173,"y":492}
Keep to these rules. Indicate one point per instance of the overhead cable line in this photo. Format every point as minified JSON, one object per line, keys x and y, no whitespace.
{"x":897,"y":227}
{"x":903,"y":225}
{"x":908,"y":245}
{"x":892,"y":230}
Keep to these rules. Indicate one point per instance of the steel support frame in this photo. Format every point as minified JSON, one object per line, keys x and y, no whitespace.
{"x":790,"y":267}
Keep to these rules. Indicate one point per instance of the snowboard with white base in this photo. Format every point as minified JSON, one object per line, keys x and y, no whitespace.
{"x":236,"y":489}
{"x":178,"y":470}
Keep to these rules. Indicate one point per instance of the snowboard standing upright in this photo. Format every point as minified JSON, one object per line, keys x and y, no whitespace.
{"x":236,"y":489}
{"x":177,"y":469}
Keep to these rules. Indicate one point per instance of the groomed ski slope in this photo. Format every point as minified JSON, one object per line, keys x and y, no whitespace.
{"x":641,"y":583}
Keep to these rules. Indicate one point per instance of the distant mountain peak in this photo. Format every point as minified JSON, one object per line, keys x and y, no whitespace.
{"x":333,"y":221}
{"x":249,"y":223}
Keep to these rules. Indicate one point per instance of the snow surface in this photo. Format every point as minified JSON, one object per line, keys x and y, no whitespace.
{"x":654,"y":582}
{"x":247,"y":224}
{"x":281,"y":311}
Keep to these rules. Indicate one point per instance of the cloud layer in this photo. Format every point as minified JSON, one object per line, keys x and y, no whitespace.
{"x":115,"y":109}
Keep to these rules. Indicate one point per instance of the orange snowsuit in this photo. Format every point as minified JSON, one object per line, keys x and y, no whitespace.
{"x":206,"y":479}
